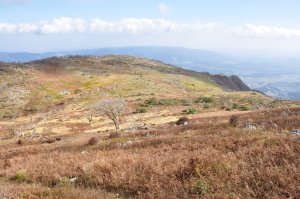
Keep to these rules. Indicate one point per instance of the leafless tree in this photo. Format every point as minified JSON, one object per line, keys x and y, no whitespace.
{"x":90,"y":119}
{"x":112,"y":108}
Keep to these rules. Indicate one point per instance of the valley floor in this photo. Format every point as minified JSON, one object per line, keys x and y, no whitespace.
{"x":208,"y":158}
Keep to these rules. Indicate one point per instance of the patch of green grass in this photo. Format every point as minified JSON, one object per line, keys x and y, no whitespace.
{"x":201,"y":187}
{"x":20,"y":176}
{"x":190,"y":111}
{"x":207,"y":100}
{"x":141,"y":110}
{"x":45,"y":95}
{"x":151,"y":102}
{"x":166,"y":102}
{"x":197,"y":85}
{"x":64,"y":182}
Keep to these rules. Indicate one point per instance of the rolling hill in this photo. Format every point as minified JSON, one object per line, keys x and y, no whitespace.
{"x":274,"y":76}
{"x":76,"y":82}
{"x":54,"y":145}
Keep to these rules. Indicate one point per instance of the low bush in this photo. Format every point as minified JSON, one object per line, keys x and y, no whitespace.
{"x":170,"y":102}
{"x":235,"y":106}
{"x":234,"y":121}
{"x":243,"y":108}
{"x":185,"y":102}
{"x":166,"y":102}
{"x":207,"y":106}
{"x":20,"y":176}
{"x":151,"y":102}
{"x":64,"y":182}
{"x":182,"y":121}
{"x":141,"y":110}
{"x":201,"y":187}
{"x":114,"y":135}
{"x":207,"y":100}
{"x":20,"y":142}
{"x":93,"y":141}
{"x":190,"y":111}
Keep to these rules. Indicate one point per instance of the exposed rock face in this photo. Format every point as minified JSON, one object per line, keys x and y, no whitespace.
{"x":233,"y":82}
{"x":250,"y":127}
{"x":295,"y":132}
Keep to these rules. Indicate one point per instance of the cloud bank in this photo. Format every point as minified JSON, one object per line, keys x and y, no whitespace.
{"x":136,"y":26}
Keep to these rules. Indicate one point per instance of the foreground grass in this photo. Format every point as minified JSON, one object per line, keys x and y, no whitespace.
{"x":206,"y":159}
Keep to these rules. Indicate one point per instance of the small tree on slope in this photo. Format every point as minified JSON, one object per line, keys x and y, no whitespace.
{"x":112,"y":108}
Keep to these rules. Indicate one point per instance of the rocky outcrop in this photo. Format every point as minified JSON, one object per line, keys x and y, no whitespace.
{"x":232,"y":83}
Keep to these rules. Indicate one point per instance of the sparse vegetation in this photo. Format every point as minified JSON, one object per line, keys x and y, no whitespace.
{"x":51,"y":146}
{"x":207,"y":100}
{"x":190,"y":111}
{"x":203,"y":159}
{"x":151,"y":102}
{"x":201,"y":187}
{"x":141,"y":110}
{"x":20,"y":176}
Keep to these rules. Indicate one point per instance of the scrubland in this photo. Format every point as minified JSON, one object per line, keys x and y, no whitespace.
{"x":208,"y":158}
{"x":233,"y":144}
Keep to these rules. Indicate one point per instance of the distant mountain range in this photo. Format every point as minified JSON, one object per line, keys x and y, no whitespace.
{"x":279,"y":78}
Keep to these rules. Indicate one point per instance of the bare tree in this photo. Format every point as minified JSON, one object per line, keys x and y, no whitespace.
{"x":90,"y":119}
{"x":112,"y":108}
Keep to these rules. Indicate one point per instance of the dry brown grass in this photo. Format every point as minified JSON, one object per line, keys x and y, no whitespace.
{"x":205,"y":159}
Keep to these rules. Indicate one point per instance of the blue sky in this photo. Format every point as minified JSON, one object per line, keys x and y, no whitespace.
{"x":235,"y":26}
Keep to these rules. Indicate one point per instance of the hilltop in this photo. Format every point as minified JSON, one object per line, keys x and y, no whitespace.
{"x":278,"y":77}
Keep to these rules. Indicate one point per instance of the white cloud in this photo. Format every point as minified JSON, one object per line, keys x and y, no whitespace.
{"x":62,"y":25}
{"x":27,"y":28}
{"x":8,"y":28}
{"x":142,"y":26}
{"x":250,"y":30}
{"x":163,"y":9}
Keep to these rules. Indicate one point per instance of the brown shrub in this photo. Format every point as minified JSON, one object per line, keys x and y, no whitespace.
{"x":234,"y":120}
{"x":93,"y":141}
{"x":47,"y":140}
{"x":20,"y":142}
{"x":114,"y":135}
{"x":182,"y":121}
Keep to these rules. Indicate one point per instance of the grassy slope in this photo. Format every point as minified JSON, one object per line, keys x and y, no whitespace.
{"x":206,"y":159}
{"x":58,"y":90}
